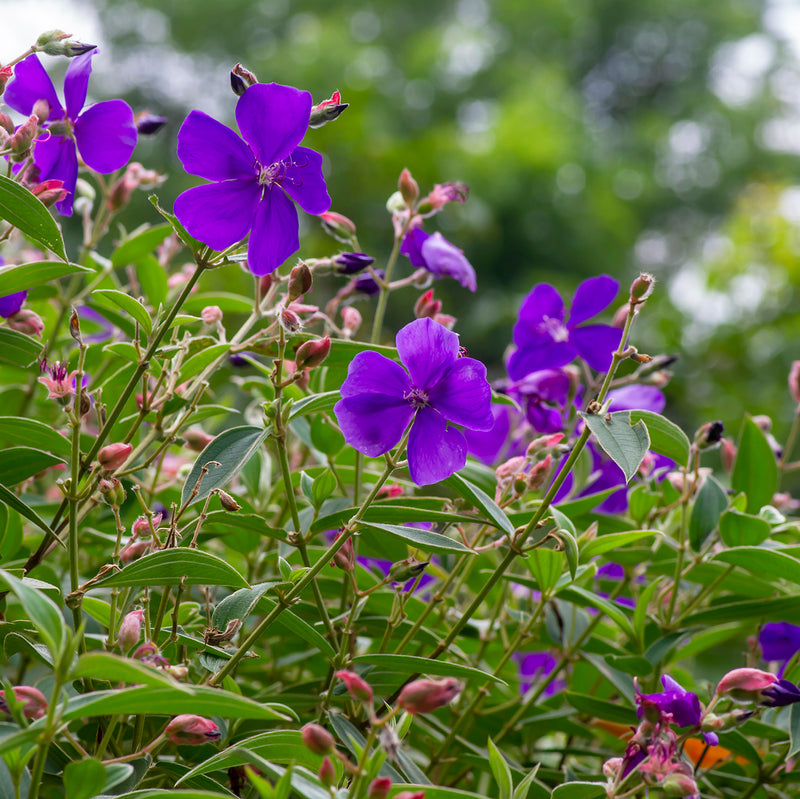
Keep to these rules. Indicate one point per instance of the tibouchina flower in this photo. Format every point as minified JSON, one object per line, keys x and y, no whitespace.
{"x":682,"y":705}
{"x":103,"y":134}
{"x":380,"y":399}
{"x":779,"y":641}
{"x":255,"y":177}
{"x":436,"y":254}
{"x":547,"y":338}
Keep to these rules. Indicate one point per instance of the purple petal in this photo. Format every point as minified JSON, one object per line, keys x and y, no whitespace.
{"x":58,"y":160}
{"x":591,"y":297}
{"x":543,"y":418}
{"x":550,"y":385}
{"x":275,"y":232}
{"x":445,"y":260}
{"x":373,"y":423}
{"x":273,"y":120}
{"x":31,"y":83}
{"x":541,"y":313}
{"x":211,"y":150}
{"x":304,"y":181}
{"x":486,"y":447}
{"x":637,"y":398}
{"x":372,"y":373}
{"x":76,"y":82}
{"x":463,"y":396}
{"x":595,"y":344}
{"x":218,"y":214}
{"x":547,"y":354}
{"x":106,"y":135}
{"x":779,"y":640}
{"x":11,"y":303}
{"x":412,"y":246}
{"x":435,"y":451}
{"x":427,"y":350}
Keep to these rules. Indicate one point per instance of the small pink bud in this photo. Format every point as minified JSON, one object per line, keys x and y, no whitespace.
{"x":289,"y":320}
{"x":642,"y":288}
{"x":300,"y":282}
{"x":538,"y":473}
{"x":443,"y":193}
{"x":351,"y":320}
{"x":392,"y":491}
{"x":445,"y":320}
{"x":141,"y":527}
{"x":50,"y":192}
{"x":727,"y":453}
{"x":130,"y":630}
{"x":27,"y":322}
{"x":113,"y":456}
{"x":34,"y":703}
{"x":426,"y":305}
{"x":745,"y":679}
{"x":211,"y":314}
{"x":111,"y":491}
{"x":345,"y":558}
{"x":6,"y":73}
{"x":327,"y":773}
{"x":410,"y":795}
{"x":338,"y":226}
{"x":359,"y":689}
{"x":197,"y":440}
{"x":20,"y":143}
{"x":264,"y":285}
{"x":190,"y":730}
{"x":794,"y":381}
{"x":133,"y":551}
{"x":509,"y":468}
{"x":409,"y":189}
{"x":424,"y":696}
{"x":312,"y":353}
{"x":317,"y":739}
{"x":379,"y":788}
{"x":327,"y":111}
{"x":678,"y":784}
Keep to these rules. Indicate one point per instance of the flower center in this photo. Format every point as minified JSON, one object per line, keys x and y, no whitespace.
{"x":554,"y":328}
{"x":269,"y":174}
{"x":417,"y":397}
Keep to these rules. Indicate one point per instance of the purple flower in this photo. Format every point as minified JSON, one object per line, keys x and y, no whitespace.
{"x":11,"y":303}
{"x":380,"y":399}
{"x":348,"y":263}
{"x":255,"y":178}
{"x":780,"y":694}
{"x":436,"y":254}
{"x":103,"y":134}
{"x":779,"y":640}
{"x":683,"y":706}
{"x":546,"y":339}
{"x":534,"y":666}
{"x":543,"y":396}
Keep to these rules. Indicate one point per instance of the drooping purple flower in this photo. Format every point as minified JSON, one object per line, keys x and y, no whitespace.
{"x":103,"y":134}
{"x":380,"y":399}
{"x":780,"y":694}
{"x":534,"y":666}
{"x":779,"y":641}
{"x":547,"y":338}
{"x":436,"y":254}
{"x":543,"y":397}
{"x":254,"y":178}
{"x":682,"y":705}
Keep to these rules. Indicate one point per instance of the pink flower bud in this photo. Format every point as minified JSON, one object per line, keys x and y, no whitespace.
{"x":133,"y":551}
{"x":113,"y":456}
{"x":426,"y":305}
{"x":27,"y":322}
{"x":111,"y":491}
{"x":312,"y":353}
{"x":191,"y":730}
{"x":50,"y":192}
{"x":409,"y":189}
{"x":678,"y":784}
{"x":538,"y":473}
{"x":317,"y":739}
{"x":130,"y":630}
{"x":345,"y":558}
{"x":327,"y":773}
{"x":6,"y":73}
{"x":642,"y":288}
{"x":289,"y":320}
{"x":211,"y":314}
{"x":379,"y":788}
{"x":300,"y":282}
{"x":34,"y":703}
{"x":351,"y":320}
{"x":510,"y":467}
{"x":327,"y":111}
{"x":338,"y":226}
{"x":359,"y":689}
{"x":445,"y":320}
{"x":424,"y":696}
{"x":197,"y":440}
{"x":727,"y":454}
{"x":745,"y":679}
{"x":410,"y":795}
{"x":443,"y":193}
{"x":794,"y":381}
{"x":20,"y":143}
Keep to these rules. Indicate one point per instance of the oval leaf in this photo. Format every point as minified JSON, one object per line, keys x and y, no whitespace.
{"x":755,"y":471}
{"x":710,"y":503}
{"x":129,"y":304}
{"x":140,"y":245}
{"x":20,"y":463}
{"x":741,"y":529}
{"x":422,"y":539}
{"x":27,"y":213}
{"x":18,"y":349}
{"x":666,"y":437}
{"x":763,"y":561}
{"x":37,"y":273}
{"x":625,"y":443}
{"x":30,"y":431}
{"x":411,"y":664}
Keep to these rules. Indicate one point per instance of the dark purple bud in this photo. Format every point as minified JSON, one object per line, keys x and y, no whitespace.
{"x":242,"y":79}
{"x":148,"y":123}
{"x":708,"y":435}
{"x":780,"y":694}
{"x":349,"y":263}
{"x":364,"y":284}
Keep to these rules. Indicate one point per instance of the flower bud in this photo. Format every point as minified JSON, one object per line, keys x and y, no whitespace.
{"x":338,"y":226}
{"x":642,"y":288}
{"x":113,"y":456}
{"x":130,"y":630}
{"x":358,"y":688}
{"x":49,"y":192}
{"x":327,"y":111}
{"x":538,"y":473}
{"x":141,"y":527}
{"x":27,"y":322}
{"x":289,"y":320}
{"x":349,"y":263}
{"x":365,"y":284}
{"x":54,"y":43}
{"x":745,"y":683}
{"x":6,"y":123}
{"x":424,"y":696}
{"x":426,"y":305}
{"x":708,"y":435}
{"x":410,"y":795}
{"x":241,"y":79}
{"x":327,"y":773}
{"x":197,"y":440}
{"x":678,"y":784}
{"x":317,"y":739}
{"x":228,"y":502}
{"x":133,"y":550}
{"x":727,"y":453}
{"x":191,"y":730}
{"x":543,"y":444}
{"x":351,"y":320}
{"x":441,"y":194}
{"x":794,"y":381}
{"x":20,"y":143}
{"x":509,"y":468}
{"x":111,"y":491}
{"x":379,"y":788}
{"x":312,"y":353}
{"x":408,"y":187}
{"x":6,"y":73}
{"x":407,"y":569}
{"x":300,"y":282}
{"x":211,"y":314}
{"x":34,"y":704}
{"x":345,"y":557}
{"x":147,"y":123}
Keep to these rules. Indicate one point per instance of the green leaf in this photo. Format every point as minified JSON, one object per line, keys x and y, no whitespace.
{"x":666,"y":437}
{"x":18,"y":349}
{"x":777,"y":565}
{"x":25,"y":212}
{"x":171,"y":701}
{"x":411,"y":664}
{"x":152,"y":278}
{"x":13,"y":501}
{"x":521,"y":791}
{"x":225,"y":301}
{"x":43,"y":612}
{"x":139,"y":245}
{"x":640,"y":611}
{"x":315,"y":404}
{"x":566,"y":535}
{"x":742,"y":529}
{"x":168,"y":566}
{"x":325,"y":436}
{"x":500,"y":770}
{"x":625,"y":443}
{"x":84,"y":779}
{"x":123,"y":349}
{"x":612,"y":541}
{"x":600,"y":708}
{"x":584,"y":598}
{"x":129,"y":304}
{"x":321,"y":489}
{"x":33,"y":432}
{"x":192,"y":243}
{"x":794,"y":731}
{"x":202,"y":359}
{"x":708,"y":507}
{"x":481,"y":500}
{"x":291,"y":623}
{"x":231,"y":449}
{"x":115,"y":668}
{"x":755,"y":471}
{"x":546,"y":566}
{"x":580,"y":790}
{"x":20,"y":463}
{"x":424,"y":540}
{"x":776,"y":609}
{"x":36,"y":273}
